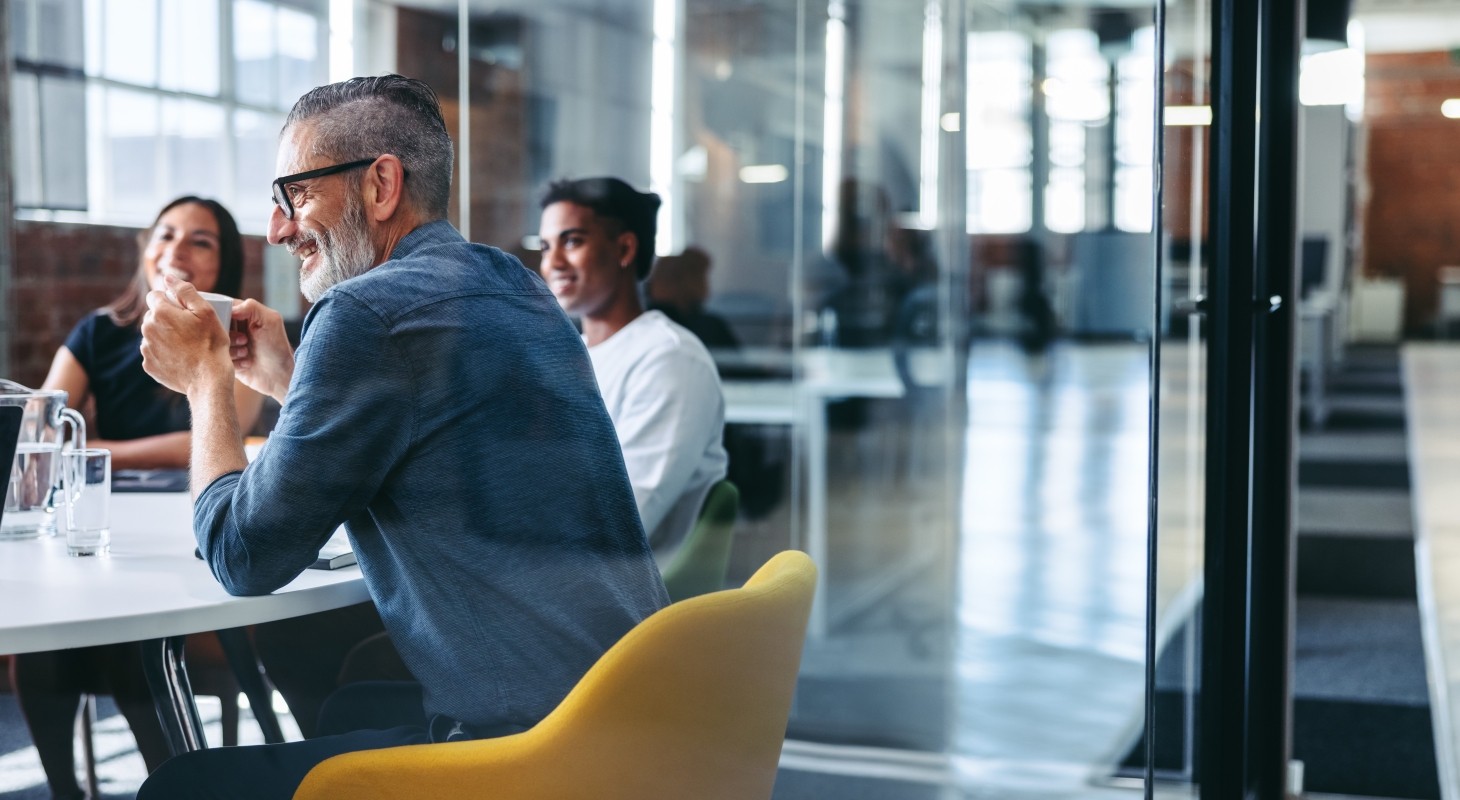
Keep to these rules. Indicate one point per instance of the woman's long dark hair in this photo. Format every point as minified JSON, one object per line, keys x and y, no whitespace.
{"x":128,"y":308}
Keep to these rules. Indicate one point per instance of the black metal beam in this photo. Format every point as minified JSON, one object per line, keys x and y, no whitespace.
{"x":1222,"y":708}
{"x":1271,"y":571}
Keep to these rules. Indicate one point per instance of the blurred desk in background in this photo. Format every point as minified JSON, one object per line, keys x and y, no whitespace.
{"x":811,"y":379}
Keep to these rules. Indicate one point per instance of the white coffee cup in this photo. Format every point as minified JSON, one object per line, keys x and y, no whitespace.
{"x":222,"y":306}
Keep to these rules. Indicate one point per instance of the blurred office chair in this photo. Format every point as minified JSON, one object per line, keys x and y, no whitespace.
{"x":700,"y":564}
{"x":691,"y":703}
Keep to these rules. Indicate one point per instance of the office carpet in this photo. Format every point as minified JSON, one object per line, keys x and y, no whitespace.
{"x":1361,"y":717}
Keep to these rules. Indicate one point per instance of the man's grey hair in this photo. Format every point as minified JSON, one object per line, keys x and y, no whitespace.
{"x":371,"y":116}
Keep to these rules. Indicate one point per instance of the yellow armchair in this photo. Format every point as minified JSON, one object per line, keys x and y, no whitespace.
{"x":691,"y":703}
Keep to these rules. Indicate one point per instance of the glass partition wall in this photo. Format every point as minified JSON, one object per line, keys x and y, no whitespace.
{"x":949,"y":303}
{"x":932,"y":270}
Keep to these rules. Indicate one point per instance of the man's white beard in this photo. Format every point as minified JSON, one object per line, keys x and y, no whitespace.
{"x":345,"y":251}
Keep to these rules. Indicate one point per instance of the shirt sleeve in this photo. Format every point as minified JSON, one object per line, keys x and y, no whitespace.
{"x":673,"y":410}
{"x":345,"y":423}
{"x":79,"y":341}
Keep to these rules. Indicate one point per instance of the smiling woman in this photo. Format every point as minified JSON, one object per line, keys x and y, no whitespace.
{"x":145,"y":426}
{"x":100,"y":367}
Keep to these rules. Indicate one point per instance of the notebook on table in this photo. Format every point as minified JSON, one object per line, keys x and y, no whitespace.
{"x":335,"y":554}
{"x":150,"y":480}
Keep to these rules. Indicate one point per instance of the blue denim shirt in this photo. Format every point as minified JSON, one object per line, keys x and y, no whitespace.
{"x":444,"y":409}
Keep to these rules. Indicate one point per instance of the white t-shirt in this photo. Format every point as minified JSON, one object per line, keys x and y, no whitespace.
{"x":663,"y":394}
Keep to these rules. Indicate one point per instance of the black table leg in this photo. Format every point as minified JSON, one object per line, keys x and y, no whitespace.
{"x":245,"y":665}
{"x":167,"y":677}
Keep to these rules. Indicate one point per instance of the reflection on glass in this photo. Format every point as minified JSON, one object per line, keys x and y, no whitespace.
{"x":953,"y":414}
{"x":1065,"y":200}
{"x":1000,"y":143}
{"x":662,"y":141}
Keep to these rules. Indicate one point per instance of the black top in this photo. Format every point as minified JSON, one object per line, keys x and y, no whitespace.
{"x":129,"y":403}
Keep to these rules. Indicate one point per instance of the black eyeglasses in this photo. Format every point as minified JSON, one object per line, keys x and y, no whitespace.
{"x":281,"y":195}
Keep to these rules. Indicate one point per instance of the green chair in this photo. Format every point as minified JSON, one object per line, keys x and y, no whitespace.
{"x":700,"y":565}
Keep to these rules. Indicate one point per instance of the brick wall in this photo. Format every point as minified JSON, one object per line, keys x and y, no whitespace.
{"x":62,"y":271}
{"x":1412,"y":217}
{"x":500,"y":192}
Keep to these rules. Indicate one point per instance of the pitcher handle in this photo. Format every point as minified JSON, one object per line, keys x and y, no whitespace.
{"x":78,"y":427}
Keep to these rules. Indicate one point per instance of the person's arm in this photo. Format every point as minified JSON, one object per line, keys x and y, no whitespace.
{"x":168,"y":450}
{"x":69,"y":376}
{"x":673,"y":410}
{"x":346,"y":421}
{"x":184,"y":349}
{"x":249,"y":404}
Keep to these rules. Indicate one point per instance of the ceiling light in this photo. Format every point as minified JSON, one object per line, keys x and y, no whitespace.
{"x":1188,"y":115}
{"x":763,"y":173}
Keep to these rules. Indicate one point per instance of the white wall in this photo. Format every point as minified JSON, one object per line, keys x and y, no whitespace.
{"x":1325,"y":186}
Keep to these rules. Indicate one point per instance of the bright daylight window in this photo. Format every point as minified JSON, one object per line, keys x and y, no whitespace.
{"x":1000,"y":142}
{"x":121,"y":105}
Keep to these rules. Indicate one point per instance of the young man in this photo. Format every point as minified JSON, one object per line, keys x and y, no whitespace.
{"x":659,"y":382}
{"x":424,"y":410}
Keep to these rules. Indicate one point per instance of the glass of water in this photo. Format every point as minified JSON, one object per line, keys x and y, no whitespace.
{"x":87,"y":485}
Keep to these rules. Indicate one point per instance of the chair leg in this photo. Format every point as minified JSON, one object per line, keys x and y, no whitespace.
{"x":229,"y":718}
{"x":88,"y":744}
{"x":245,"y":664}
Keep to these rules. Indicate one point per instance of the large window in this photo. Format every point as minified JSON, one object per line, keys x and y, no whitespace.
{"x":123,"y":104}
{"x":1075,"y":90}
{"x":999,"y":139}
{"x":49,"y":99}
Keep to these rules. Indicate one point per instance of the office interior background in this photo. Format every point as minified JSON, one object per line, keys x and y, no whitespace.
{"x":959,"y":248}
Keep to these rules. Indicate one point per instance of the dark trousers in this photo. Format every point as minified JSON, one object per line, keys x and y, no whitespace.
{"x":360,"y":716}
{"x":265,"y":771}
{"x":307,"y":658}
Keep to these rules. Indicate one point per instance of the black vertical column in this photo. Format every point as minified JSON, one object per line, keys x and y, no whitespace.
{"x":1243,"y":734}
{"x":1222,"y":706}
{"x":1269,"y":700}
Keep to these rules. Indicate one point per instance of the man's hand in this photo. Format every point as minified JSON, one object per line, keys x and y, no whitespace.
{"x":262,"y":357}
{"x":183,"y":346}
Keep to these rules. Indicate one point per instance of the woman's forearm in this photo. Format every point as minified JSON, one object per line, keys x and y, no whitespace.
{"x":164,"y":451}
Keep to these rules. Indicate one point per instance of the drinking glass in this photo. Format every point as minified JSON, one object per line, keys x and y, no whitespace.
{"x":87,"y":486}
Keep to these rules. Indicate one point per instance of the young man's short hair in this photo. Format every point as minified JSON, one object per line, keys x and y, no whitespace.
{"x":611,"y":199}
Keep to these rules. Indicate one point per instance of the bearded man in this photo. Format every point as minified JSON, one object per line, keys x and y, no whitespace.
{"x":441,"y":406}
